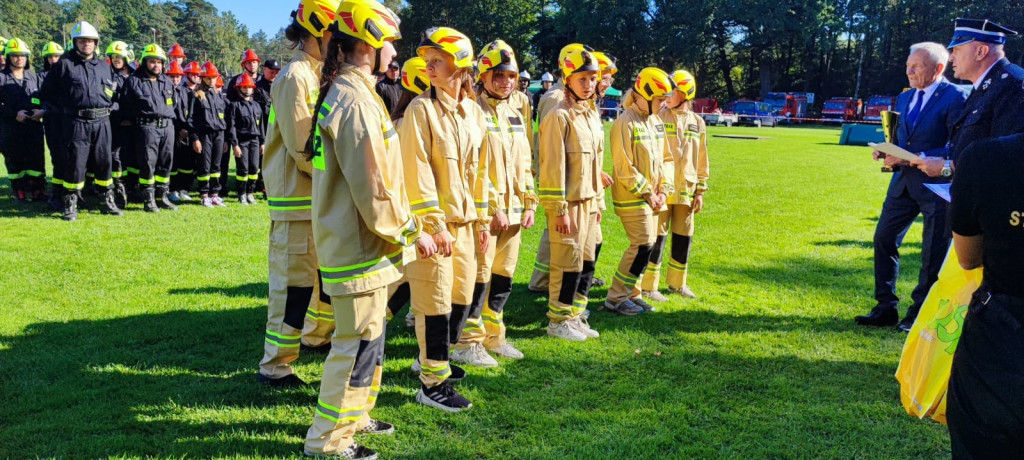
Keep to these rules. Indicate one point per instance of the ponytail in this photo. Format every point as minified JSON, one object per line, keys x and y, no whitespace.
{"x":337,"y":48}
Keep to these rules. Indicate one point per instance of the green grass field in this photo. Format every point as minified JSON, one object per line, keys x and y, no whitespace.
{"x":140,"y":336}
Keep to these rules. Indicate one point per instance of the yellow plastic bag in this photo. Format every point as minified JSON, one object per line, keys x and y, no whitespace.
{"x":928,"y":353}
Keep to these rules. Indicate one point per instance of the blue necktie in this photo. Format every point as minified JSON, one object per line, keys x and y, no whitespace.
{"x":916,"y":111}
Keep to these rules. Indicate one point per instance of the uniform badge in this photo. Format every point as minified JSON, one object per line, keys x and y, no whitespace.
{"x":1004,"y":76}
{"x":984,"y":85}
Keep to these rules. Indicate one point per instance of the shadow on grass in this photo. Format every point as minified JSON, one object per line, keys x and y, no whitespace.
{"x":107,"y":391}
{"x":250,"y":290}
{"x":861,"y":244}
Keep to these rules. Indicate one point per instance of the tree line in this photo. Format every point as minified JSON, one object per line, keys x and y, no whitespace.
{"x":736,"y":48}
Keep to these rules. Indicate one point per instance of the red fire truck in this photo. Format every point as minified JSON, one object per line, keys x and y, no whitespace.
{"x":875,"y":106}
{"x":842,"y":109}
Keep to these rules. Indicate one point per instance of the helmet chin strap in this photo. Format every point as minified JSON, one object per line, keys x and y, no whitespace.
{"x":376,"y":61}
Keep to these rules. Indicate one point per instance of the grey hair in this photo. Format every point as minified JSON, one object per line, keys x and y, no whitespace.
{"x":937,"y":52}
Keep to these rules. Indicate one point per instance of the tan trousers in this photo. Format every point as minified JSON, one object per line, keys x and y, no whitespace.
{"x":682,"y":231}
{"x":297,"y":311}
{"x":566,"y":294}
{"x":540,"y":277}
{"x":435,"y":283}
{"x":641,"y":233}
{"x":352,"y":372}
{"x":498,"y":262}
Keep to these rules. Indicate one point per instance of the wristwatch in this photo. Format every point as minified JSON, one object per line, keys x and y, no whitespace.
{"x":946,"y":169}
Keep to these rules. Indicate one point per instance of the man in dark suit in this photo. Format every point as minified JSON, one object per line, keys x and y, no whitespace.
{"x":927,"y":109}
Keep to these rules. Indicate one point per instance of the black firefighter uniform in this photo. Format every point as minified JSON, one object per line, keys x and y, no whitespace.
{"x":507,"y":146}
{"x":687,"y":168}
{"x":298,"y":310}
{"x":364,"y":233}
{"x":638,"y":150}
{"x":448,"y":190}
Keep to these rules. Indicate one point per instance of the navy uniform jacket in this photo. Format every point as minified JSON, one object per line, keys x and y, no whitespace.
{"x":244,"y":122}
{"x":930,"y":136}
{"x":149,"y":99}
{"x":15,"y":96}
{"x":74,"y":83}
{"x":207,"y":112}
{"x":994,"y":109}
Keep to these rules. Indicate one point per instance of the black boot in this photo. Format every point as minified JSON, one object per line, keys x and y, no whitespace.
{"x":70,"y":206}
{"x":120,"y":194}
{"x":18,"y":190}
{"x":81,"y":200}
{"x":163,"y":200}
{"x":109,"y":205}
{"x":149,"y":200}
{"x":56,"y":201}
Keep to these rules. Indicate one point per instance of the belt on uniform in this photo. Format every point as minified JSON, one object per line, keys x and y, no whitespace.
{"x":89,"y":114}
{"x":984,"y":295}
{"x":157,"y":122}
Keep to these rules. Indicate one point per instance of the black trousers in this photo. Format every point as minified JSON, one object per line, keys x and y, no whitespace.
{"x":225,"y":166}
{"x":58,"y":157}
{"x":184,"y":162}
{"x":247,"y":166}
{"x":122,"y":156}
{"x":87,"y":142}
{"x":24,"y":155}
{"x":208,"y":167}
{"x":897,"y":216}
{"x":154,"y":148}
{"x":985,"y":405}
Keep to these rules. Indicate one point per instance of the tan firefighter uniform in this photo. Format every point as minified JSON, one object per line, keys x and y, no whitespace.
{"x":364,"y":231}
{"x":571,"y":157}
{"x":507,"y":146}
{"x":297,"y":309}
{"x":638,"y":150}
{"x":686,"y":134}
{"x":448,"y":190}
{"x":541,"y":266}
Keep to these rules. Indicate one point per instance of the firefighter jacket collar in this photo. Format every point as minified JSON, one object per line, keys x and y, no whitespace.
{"x":78,"y":59}
{"x":314,"y":64}
{"x":364,"y":77}
{"x":449,"y":103}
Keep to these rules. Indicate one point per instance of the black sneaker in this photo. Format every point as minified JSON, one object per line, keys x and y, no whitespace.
{"x":643,"y":304}
{"x":354,"y":452}
{"x":288,"y":381}
{"x":322,"y":349}
{"x":443,"y":397}
{"x":458,"y":373}
{"x":377,"y":427}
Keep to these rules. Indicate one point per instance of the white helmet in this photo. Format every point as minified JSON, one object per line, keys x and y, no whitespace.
{"x":84,"y":30}
{"x":524,"y":74}
{"x":547,"y":77}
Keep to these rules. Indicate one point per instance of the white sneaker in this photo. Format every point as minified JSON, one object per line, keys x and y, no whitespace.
{"x":410,"y":320}
{"x":565,"y":330}
{"x":655,"y":296}
{"x":582,"y":325}
{"x":173,"y":196}
{"x":684,"y":292}
{"x":506,"y":350}
{"x":183,"y":194}
{"x":207,"y":202}
{"x":475,"y":355}
{"x":416,"y":366}
{"x":250,"y":198}
{"x":242,"y":200}
{"x":217,"y":201}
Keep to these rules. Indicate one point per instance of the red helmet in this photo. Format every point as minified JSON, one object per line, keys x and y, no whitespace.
{"x":244,"y":81}
{"x":250,"y":55}
{"x":193,"y":68}
{"x":220,"y":82}
{"x":177,"y":52}
{"x":174,"y":70}
{"x":209,"y":70}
